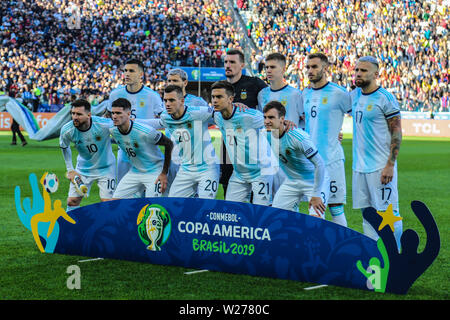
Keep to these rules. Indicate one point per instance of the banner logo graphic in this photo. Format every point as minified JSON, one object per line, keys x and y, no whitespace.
{"x":154,"y":226}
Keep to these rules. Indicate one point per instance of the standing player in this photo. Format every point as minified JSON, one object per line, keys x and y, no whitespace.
{"x":179,"y":78}
{"x":95,"y":161}
{"x":290,"y":98}
{"x":377,"y":135}
{"x":279,"y":90}
{"x":325,"y":104}
{"x":140,"y":143}
{"x":145,"y":103}
{"x":188,"y":128}
{"x":246,"y":90}
{"x":246,"y":145}
{"x":306,"y":176}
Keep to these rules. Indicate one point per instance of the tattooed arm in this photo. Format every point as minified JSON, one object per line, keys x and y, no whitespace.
{"x":395,"y":129}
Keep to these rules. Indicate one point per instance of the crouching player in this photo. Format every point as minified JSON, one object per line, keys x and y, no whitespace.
{"x":95,"y":161}
{"x":188,"y":128}
{"x":306,"y":176}
{"x":140,"y":143}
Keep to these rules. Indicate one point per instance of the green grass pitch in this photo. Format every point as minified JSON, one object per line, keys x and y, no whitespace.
{"x":25,"y":273}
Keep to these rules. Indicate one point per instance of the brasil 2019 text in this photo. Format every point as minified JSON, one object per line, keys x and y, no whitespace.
{"x":223,"y":247}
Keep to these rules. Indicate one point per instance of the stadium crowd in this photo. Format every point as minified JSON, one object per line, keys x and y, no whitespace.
{"x":409,"y":38}
{"x":57,"y":50}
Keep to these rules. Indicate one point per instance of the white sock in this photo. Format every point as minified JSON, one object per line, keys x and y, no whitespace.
{"x":398,"y":230}
{"x":338,"y":215}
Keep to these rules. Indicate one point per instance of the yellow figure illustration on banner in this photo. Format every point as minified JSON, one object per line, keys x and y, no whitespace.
{"x":49,"y":214}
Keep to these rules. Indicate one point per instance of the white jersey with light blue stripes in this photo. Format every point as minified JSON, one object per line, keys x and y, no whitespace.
{"x":190,"y":133}
{"x":325,"y":108}
{"x":371,"y":136}
{"x":95,"y":156}
{"x":290,"y":98}
{"x":295,"y":148}
{"x":191,"y":100}
{"x":140,"y":146}
{"x":145,"y":103}
{"x":246,"y":142}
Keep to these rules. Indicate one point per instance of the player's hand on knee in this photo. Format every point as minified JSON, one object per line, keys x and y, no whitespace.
{"x":317,"y":204}
{"x":71,"y":174}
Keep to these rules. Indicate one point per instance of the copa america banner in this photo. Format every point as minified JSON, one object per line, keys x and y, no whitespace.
{"x":230,"y":237}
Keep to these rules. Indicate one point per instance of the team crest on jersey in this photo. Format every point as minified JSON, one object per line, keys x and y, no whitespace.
{"x":98,"y":138}
{"x":288,"y":152}
{"x":369,"y":107}
{"x":189,"y":125}
{"x":142,"y":103}
{"x":243,"y":94}
{"x":135,"y":144}
{"x":325,"y":100}
{"x":284,"y":102}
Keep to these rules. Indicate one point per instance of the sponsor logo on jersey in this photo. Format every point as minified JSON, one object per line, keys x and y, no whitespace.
{"x":309,"y":151}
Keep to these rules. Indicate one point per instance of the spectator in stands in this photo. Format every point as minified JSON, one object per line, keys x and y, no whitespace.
{"x":56,"y":58}
{"x":409,"y":38}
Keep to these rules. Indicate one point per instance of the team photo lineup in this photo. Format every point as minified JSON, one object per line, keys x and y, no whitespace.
{"x":282,"y":151}
{"x":300,"y":117}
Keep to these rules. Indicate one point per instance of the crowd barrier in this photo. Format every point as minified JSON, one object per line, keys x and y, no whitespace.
{"x":41,"y":117}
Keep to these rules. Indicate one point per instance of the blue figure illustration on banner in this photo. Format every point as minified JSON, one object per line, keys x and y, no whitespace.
{"x":232,"y":237}
{"x":39,"y":217}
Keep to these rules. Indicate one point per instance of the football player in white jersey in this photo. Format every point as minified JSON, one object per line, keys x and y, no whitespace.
{"x":306,"y":175}
{"x":145,"y":103}
{"x":246,"y":142}
{"x":325,"y":104}
{"x":279,"y":90}
{"x":187,"y":125}
{"x":149,"y":168}
{"x":179,"y":78}
{"x":377,"y":135}
{"x":95,"y":161}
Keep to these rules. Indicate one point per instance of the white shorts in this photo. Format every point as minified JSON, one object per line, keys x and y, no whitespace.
{"x":123,"y":165}
{"x":187,"y":184}
{"x":337,"y":186}
{"x":368,"y":191}
{"x":278,"y":180}
{"x":240,"y":190}
{"x":106,"y":185}
{"x":292,"y":192}
{"x":134,"y":183}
